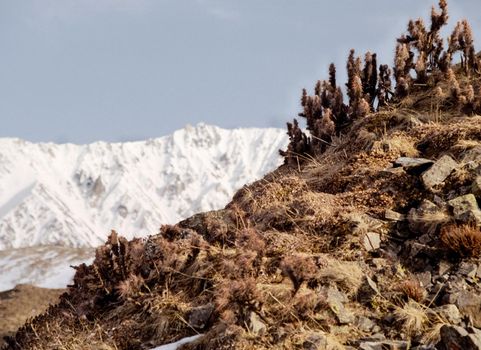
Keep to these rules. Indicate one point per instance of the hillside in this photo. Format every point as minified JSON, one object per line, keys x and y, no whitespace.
{"x":366,"y":238}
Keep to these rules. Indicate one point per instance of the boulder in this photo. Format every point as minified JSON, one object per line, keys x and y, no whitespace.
{"x":385,"y":345}
{"x":413,"y":166}
{"x":455,"y":337}
{"x":371,"y":241}
{"x":367,"y":291}
{"x":469,"y":304}
{"x":427,"y":217}
{"x":465,"y":209}
{"x":320,"y":341}
{"x":199,"y":316}
{"x":392,"y":215}
{"x":364,"y":324}
{"x":438,"y":172}
{"x":472,"y":155}
{"x":256,"y":325}
{"x":449,"y":312}
{"x":335,"y":300}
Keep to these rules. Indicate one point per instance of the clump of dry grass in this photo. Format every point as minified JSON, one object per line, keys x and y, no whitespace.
{"x":463,"y":241}
{"x":130,"y":287}
{"x":347,"y":275}
{"x":298,"y":268}
{"x":412,"y":289}
{"x":412,"y":317}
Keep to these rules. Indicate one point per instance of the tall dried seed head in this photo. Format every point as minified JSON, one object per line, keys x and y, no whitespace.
{"x":363,"y":108}
{"x":317,"y":89}
{"x":470,"y":93}
{"x":332,"y":75}
{"x":402,"y":57}
{"x":304,"y":98}
{"x":468,"y":33}
{"x":357,"y":87}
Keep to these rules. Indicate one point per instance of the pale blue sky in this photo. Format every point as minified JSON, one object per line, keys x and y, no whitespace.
{"x":86,"y":70}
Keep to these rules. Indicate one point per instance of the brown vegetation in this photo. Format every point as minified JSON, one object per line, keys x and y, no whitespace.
{"x":462,"y":241}
{"x":286,"y":265}
{"x":421,"y":64}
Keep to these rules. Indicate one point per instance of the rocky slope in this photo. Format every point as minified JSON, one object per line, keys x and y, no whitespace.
{"x":367,"y":238}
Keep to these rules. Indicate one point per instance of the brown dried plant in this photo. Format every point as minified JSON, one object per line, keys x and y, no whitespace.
{"x":299,"y":269}
{"x":412,"y":289}
{"x":463,"y":241}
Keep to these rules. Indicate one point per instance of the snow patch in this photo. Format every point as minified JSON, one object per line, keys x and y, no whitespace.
{"x":174,"y":346}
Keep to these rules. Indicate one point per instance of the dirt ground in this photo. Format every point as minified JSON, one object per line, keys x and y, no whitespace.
{"x":22,"y":303}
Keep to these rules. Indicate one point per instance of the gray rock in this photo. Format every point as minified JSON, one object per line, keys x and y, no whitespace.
{"x":465,"y":209}
{"x":476,"y":187}
{"x":455,"y":337}
{"x":371,"y":241}
{"x":438,"y":172}
{"x":469,"y":304}
{"x":320,"y":341}
{"x":362,"y":223}
{"x":385,"y":345}
{"x":427,"y":217}
{"x":392,"y":215}
{"x":199,"y":316}
{"x":443,"y":267}
{"x":424,"y":278}
{"x":413,"y":166}
{"x":335,"y":300}
{"x":468,"y":269}
{"x":256,"y":325}
{"x":367,"y":291}
{"x":472,"y":155}
{"x":364,"y":324}
{"x":449,"y":312}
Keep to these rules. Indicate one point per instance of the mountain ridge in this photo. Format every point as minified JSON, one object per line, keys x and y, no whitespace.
{"x":73,"y":195}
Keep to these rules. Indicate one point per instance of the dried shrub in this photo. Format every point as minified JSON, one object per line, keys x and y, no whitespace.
{"x":412,"y":289}
{"x":412,"y":317}
{"x":421,"y":64}
{"x":299,"y":269}
{"x":131,"y":287}
{"x":462,"y":240}
{"x":236,"y":299}
{"x":299,"y":144}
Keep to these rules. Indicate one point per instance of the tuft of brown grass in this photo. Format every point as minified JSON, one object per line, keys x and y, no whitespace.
{"x":299,"y":269}
{"x":464,"y":241}
{"x":347,"y":275}
{"x":412,"y":289}
{"x":130,"y":287}
{"x":412,"y":317}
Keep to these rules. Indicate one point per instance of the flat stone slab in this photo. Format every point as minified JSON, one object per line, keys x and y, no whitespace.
{"x":438,"y":172}
{"x":466,"y":209}
{"x":413,"y":166}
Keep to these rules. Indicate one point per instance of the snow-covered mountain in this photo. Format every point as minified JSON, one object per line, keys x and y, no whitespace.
{"x":58,"y":201}
{"x":73,"y":195}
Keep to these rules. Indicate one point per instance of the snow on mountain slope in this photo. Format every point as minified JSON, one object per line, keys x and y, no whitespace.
{"x":73,"y":195}
{"x":42,"y":266}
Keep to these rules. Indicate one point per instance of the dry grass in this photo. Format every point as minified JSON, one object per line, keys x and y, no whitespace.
{"x":412,"y":317}
{"x":347,"y":275}
{"x":412,"y":289}
{"x":463,"y":241}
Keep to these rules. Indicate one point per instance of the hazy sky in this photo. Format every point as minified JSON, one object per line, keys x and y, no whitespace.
{"x":86,"y":70}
